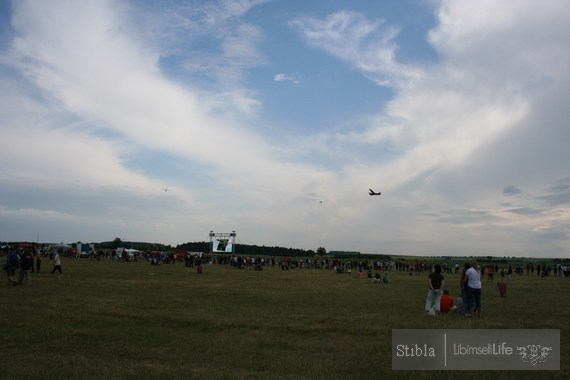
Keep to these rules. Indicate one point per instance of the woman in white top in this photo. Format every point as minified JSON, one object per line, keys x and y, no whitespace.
{"x":473,"y":280}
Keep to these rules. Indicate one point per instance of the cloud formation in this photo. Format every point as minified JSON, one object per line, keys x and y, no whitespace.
{"x":106,"y":103}
{"x":365,"y":44}
{"x":282,"y":77}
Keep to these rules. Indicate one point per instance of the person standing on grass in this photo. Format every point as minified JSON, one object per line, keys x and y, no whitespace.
{"x":26,"y":265}
{"x":38,"y":261}
{"x":473,"y":281}
{"x":12,"y":263}
{"x":57,"y":262}
{"x":463,"y":283}
{"x":435,"y":284}
{"x":490,"y":273}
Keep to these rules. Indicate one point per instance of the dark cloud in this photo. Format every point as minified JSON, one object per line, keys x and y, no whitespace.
{"x":511,"y":190}
{"x":466,"y":216}
{"x":525,"y":211}
{"x":558,"y":193}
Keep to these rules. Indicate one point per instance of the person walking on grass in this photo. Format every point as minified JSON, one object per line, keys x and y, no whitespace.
{"x":435,"y":286}
{"x":473,"y":281}
{"x":57,"y":262}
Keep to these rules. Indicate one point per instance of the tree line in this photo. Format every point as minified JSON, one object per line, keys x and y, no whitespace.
{"x":204,"y":246}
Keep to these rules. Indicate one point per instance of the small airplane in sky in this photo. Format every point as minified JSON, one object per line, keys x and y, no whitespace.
{"x":372,"y":192}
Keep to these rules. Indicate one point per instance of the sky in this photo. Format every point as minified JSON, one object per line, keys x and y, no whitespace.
{"x":162,"y":120}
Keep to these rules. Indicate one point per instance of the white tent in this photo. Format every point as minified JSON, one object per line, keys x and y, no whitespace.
{"x":61,"y":245}
{"x":130,"y":254}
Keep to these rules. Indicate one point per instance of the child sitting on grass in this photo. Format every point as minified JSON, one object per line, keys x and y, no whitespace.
{"x":446,"y":303}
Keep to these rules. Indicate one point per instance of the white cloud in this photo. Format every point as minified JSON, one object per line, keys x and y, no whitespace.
{"x":282,"y":77}
{"x":367,"y":45}
{"x":115,"y":86}
{"x":107,"y":78}
{"x":477,"y":140}
{"x":456,"y":120}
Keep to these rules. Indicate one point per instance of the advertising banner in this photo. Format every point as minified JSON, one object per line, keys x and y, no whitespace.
{"x":484,"y":349}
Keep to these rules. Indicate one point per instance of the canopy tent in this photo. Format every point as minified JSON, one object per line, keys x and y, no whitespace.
{"x":61,"y":245}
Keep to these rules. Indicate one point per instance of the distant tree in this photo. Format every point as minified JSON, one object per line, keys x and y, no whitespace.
{"x":321,"y":251}
{"x":116,"y":243}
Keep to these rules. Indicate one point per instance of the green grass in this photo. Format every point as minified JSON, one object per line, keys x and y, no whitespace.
{"x":111,"y":320}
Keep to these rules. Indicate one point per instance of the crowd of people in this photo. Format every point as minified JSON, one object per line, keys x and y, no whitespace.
{"x":468,"y":302}
{"x":22,"y":262}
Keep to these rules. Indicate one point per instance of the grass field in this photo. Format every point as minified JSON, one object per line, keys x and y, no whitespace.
{"x":108,"y":320}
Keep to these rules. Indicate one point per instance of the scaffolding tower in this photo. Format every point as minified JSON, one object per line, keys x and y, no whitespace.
{"x":222,"y":242}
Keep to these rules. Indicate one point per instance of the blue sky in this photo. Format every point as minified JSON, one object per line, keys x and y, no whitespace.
{"x":274,"y":118}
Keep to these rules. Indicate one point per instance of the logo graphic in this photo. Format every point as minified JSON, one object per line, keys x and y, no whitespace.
{"x":534,"y":353}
